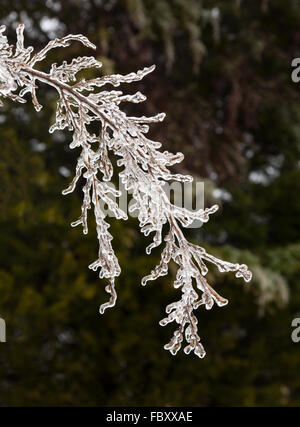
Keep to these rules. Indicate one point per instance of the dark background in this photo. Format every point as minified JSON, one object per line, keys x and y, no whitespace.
{"x":224,"y":79}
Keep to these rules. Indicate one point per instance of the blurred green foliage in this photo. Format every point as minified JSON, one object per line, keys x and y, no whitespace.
{"x":223,"y":78}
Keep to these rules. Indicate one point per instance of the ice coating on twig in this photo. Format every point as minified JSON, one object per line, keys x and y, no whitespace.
{"x":145,"y":170}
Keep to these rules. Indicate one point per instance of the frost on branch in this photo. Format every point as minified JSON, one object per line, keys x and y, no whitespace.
{"x":145,"y":169}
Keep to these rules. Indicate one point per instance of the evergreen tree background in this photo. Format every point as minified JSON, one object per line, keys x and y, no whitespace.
{"x":224,"y":80}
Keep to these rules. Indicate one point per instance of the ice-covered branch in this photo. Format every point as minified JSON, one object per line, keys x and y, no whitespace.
{"x":145,"y":171}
